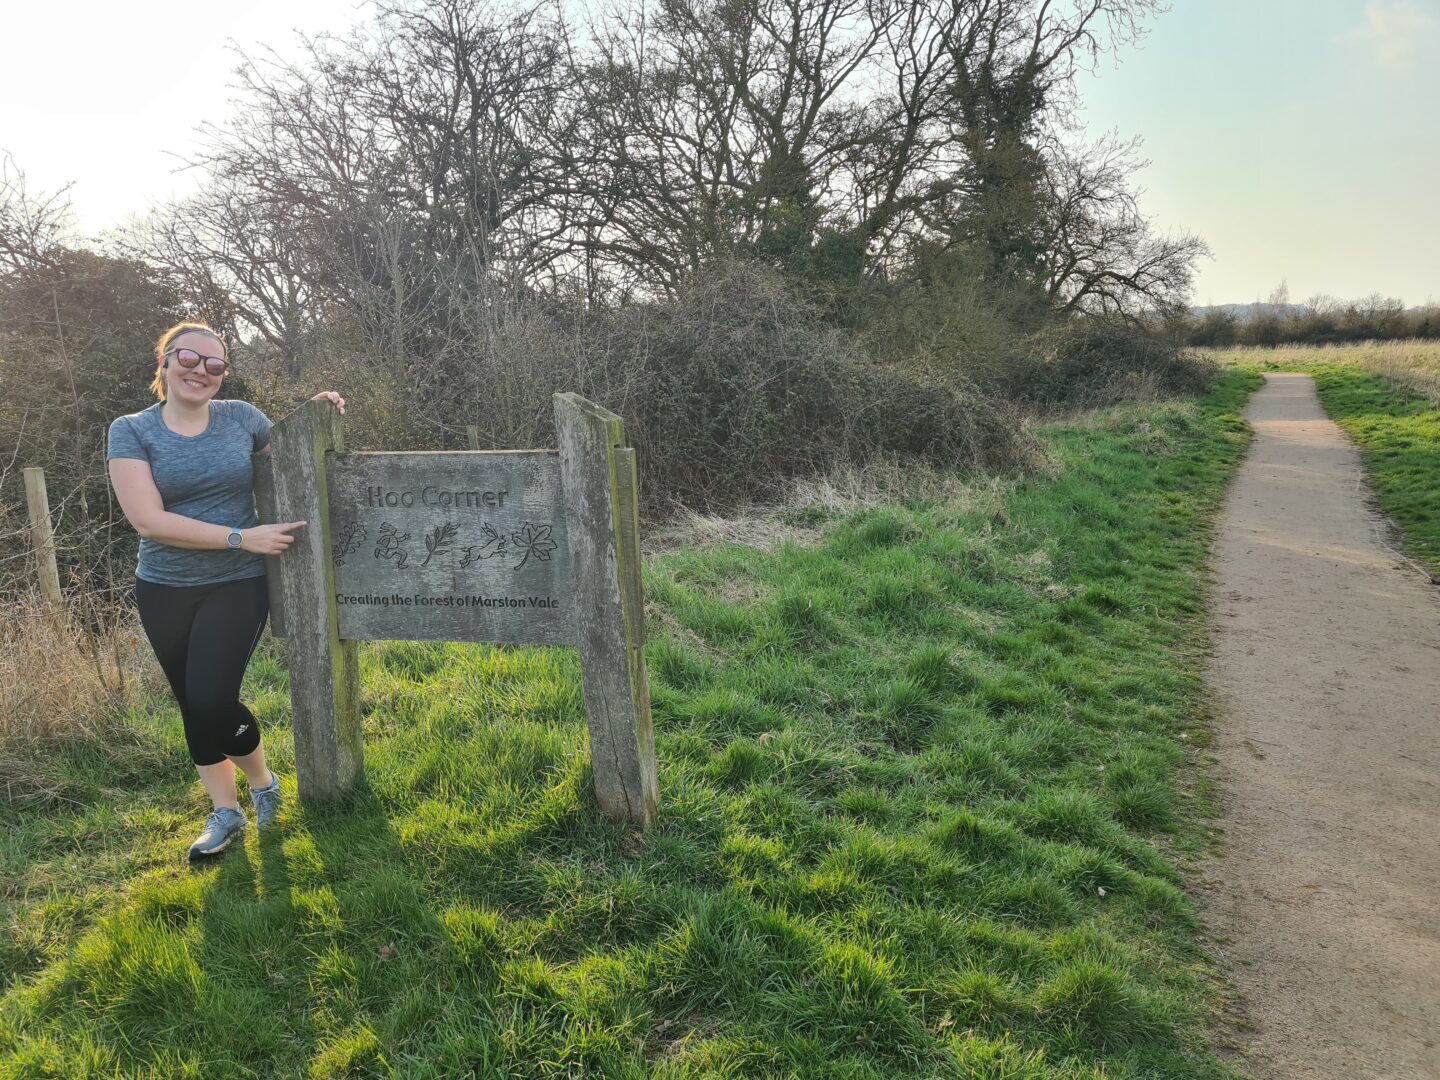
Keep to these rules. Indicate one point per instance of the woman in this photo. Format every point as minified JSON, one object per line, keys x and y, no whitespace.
{"x":181,"y":470}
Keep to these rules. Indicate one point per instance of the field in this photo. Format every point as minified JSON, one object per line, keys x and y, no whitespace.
{"x":928,"y":789}
{"x":1409,"y":365}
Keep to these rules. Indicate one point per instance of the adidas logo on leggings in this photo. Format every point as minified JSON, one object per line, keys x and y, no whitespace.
{"x":241,"y":729}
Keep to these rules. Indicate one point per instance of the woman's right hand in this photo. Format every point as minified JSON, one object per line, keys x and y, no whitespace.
{"x":269,"y":539}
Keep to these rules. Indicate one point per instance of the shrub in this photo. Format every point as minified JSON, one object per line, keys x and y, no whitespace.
{"x":727,"y":389}
{"x":1092,"y":362}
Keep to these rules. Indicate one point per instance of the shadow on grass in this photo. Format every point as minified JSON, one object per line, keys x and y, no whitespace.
{"x":317,"y":943}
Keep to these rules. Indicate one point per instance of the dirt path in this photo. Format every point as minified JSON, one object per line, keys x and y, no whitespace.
{"x":1325,"y":902}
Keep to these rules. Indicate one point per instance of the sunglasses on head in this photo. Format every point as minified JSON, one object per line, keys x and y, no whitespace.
{"x":189,"y":359}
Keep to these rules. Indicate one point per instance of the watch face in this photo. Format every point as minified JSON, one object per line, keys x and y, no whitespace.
{"x":234,"y":539}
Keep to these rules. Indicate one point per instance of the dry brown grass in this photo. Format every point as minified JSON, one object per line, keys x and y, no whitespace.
{"x":59,"y":682}
{"x":1413,"y":365}
{"x":842,"y":490}
{"x":861,"y":487}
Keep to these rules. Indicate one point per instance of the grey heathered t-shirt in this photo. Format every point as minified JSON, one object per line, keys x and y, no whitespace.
{"x":207,"y":477}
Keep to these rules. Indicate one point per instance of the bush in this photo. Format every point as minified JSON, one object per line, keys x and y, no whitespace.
{"x":1093,"y":362}
{"x":736,"y":384}
{"x":727,"y":389}
{"x":75,"y":338}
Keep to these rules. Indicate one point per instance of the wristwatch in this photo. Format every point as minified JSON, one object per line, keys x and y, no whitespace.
{"x":233,"y":538}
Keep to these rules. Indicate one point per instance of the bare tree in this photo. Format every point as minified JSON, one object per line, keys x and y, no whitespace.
{"x":1100,"y":253}
{"x":243,"y":268}
{"x":456,"y":146}
{"x":397,"y":171}
{"x":714,"y":130}
{"x":32,"y":226}
{"x":1376,"y":316}
{"x":831,"y":135}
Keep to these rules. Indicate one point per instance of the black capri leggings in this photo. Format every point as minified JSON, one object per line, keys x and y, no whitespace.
{"x":203,"y":636}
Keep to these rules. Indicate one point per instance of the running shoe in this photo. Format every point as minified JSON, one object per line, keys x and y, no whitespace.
{"x":267,"y":801}
{"x":220,"y":828}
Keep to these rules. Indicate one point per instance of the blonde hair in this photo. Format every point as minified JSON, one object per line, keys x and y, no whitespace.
{"x":157,"y":384}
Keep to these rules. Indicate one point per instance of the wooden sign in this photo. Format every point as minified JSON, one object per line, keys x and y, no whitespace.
{"x":452,"y":547}
{"x":523,"y":546}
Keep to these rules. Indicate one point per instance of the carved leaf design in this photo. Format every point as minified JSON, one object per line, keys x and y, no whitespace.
{"x":535,"y":540}
{"x":441,"y":538}
{"x":348,"y":542}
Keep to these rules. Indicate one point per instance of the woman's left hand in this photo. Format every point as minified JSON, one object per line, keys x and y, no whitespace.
{"x":332,"y":397}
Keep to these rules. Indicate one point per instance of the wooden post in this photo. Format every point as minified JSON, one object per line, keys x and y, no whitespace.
{"x":472,"y":435}
{"x":324,"y":670}
{"x":263,"y":466}
{"x":43,"y":538}
{"x":602,"y":512}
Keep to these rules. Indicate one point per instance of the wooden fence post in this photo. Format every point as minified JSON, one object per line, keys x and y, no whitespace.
{"x":602,"y":510}
{"x":42,"y":537}
{"x":324,"y":670}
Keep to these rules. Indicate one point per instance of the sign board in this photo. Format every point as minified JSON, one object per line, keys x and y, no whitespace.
{"x":451,"y":547}
{"x":515,"y":546}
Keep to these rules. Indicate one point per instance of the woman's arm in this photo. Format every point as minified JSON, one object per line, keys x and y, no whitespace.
{"x":145,"y":510}
{"x":135,"y":488}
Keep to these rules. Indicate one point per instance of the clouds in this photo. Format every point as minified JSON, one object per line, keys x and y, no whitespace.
{"x":1396,"y":33}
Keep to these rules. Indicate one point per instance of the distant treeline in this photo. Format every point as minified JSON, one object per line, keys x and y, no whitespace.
{"x":1321,"y":320}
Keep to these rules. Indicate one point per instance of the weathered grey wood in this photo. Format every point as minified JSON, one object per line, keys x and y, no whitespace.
{"x":459,"y":546}
{"x":599,"y":478}
{"x":472,"y":435}
{"x":324,"y":670}
{"x":262,"y":465}
{"x":465,"y":527}
{"x":627,"y":488}
{"x":42,"y":536}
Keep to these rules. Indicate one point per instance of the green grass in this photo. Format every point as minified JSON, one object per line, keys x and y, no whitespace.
{"x":1398,"y":432}
{"x":925,"y":797}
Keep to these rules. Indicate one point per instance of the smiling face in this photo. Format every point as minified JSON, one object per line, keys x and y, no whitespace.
{"x":192,"y":386}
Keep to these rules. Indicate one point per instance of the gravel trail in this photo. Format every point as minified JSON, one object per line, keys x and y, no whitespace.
{"x":1324,"y":902}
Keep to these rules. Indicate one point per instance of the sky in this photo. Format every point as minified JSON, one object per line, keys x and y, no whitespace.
{"x":1299,"y":138}
{"x":105,"y":94}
